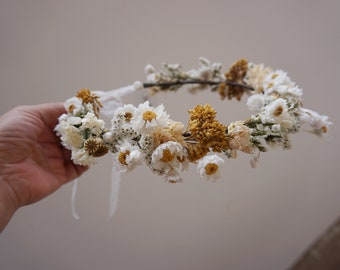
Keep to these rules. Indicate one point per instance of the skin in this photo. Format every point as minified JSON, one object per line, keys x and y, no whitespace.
{"x":33,"y":164}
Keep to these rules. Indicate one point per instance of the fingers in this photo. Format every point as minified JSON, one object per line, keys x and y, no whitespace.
{"x":50,"y":112}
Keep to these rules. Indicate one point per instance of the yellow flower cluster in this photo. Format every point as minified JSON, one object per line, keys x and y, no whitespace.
{"x":235,"y":74}
{"x":208,"y":132}
{"x":88,"y":97}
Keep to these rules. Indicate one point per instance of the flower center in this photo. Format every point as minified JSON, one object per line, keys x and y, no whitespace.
{"x":278,"y":111}
{"x":91,"y":146}
{"x":211,"y":168}
{"x":167,"y":156}
{"x":149,"y":116}
{"x":96,"y":147}
{"x":71,"y":108}
{"x":122,"y":157}
{"x":275,"y":75}
{"x":128,"y":116}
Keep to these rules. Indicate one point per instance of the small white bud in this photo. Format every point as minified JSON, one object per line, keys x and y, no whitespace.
{"x":138,"y":85}
{"x":108,"y":137}
{"x":149,"y":69}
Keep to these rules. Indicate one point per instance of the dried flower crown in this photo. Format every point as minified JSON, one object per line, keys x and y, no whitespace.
{"x":147,"y":134}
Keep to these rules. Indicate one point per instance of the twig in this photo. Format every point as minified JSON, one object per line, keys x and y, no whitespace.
{"x":207,"y":82}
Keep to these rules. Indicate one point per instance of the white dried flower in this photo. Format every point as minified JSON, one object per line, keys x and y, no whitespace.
{"x":128,"y":156}
{"x":240,"y":138}
{"x":91,"y":122}
{"x":277,"y":112}
{"x":147,"y":118}
{"x":167,"y":156}
{"x":70,"y":134}
{"x":319,"y":123}
{"x":82,"y":157}
{"x":275,"y":79}
{"x":138,"y":85}
{"x":255,"y":103}
{"x":124,"y":113}
{"x":209,"y":167}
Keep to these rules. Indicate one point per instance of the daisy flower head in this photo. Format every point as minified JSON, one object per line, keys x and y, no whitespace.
{"x":319,"y":123}
{"x":124,"y":114}
{"x":276,"y":79}
{"x":147,"y":118}
{"x":255,"y":76}
{"x":128,"y":156}
{"x":74,"y":106}
{"x":277,"y":112}
{"x":93,"y":123}
{"x":167,"y":156}
{"x":255,"y":103}
{"x":70,"y":134}
{"x":82,"y":157}
{"x":209,"y":167}
{"x":240,"y":137}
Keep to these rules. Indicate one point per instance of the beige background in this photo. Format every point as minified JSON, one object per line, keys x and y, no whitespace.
{"x":252,"y":218}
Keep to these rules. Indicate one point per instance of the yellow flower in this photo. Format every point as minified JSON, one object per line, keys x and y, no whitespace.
{"x":96,"y":147}
{"x":206,"y":130}
{"x":236,"y":73}
{"x":89,"y":98}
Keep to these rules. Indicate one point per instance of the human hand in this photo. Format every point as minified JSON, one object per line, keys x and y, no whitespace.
{"x":33,"y":164}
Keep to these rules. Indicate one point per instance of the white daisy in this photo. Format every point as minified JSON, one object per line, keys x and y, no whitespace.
{"x":71,"y":136}
{"x":147,"y":118}
{"x":128,"y":156}
{"x":240,"y":138}
{"x":277,"y":112}
{"x":209,"y":167}
{"x":255,"y":103}
{"x":255,"y":76}
{"x":319,"y":123}
{"x":275,"y":79}
{"x":167,"y":156}
{"x":124,"y":113}
{"x":82,"y":157}
{"x":90,"y":121}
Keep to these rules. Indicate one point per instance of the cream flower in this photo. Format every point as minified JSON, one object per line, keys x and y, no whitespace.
{"x":319,"y":123}
{"x":240,"y":138}
{"x":74,"y":105}
{"x":295,"y":92}
{"x":255,"y":103}
{"x":124,"y":113}
{"x":147,"y":118}
{"x":167,"y":156}
{"x":255,"y":76}
{"x":71,"y":136}
{"x":91,"y":122}
{"x":82,"y":157}
{"x":209,"y":167}
{"x":128,"y":156}
{"x":275,"y":79}
{"x":277,"y":112}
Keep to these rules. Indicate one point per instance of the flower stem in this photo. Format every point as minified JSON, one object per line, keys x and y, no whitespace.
{"x":207,"y":82}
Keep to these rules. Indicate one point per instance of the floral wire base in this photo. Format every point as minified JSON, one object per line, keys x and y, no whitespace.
{"x":147,"y":134}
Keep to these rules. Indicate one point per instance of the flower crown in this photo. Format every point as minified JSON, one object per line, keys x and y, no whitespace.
{"x":147,"y":134}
